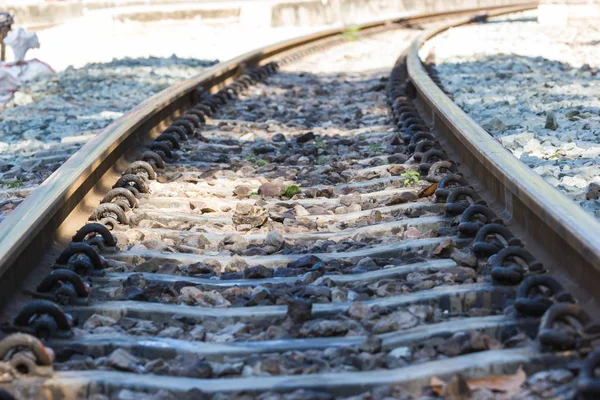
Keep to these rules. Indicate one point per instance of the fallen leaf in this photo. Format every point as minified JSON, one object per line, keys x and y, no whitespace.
{"x":501,"y":383}
{"x":429,"y":191}
{"x":436,"y":384}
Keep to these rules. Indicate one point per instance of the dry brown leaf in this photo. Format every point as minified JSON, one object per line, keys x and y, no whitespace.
{"x":436,"y":384}
{"x":500,"y":383}
{"x":429,"y":191}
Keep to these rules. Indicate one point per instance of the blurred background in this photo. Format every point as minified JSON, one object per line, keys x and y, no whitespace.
{"x":76,"y":32}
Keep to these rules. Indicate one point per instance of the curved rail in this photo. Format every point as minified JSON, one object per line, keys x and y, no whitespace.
{"x":53,"y":211}
{"x":547,"y":218}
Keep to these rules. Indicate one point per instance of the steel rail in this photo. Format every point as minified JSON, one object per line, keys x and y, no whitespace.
{"x":52,"y":212}
{"x":561,"y":233}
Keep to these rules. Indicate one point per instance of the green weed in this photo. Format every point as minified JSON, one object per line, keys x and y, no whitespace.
{"x":351,"y":33}
{"x":410,"y":178}
{"x":375,"y":149}
{"x":291,"y":191}
{"x":17,"y":183}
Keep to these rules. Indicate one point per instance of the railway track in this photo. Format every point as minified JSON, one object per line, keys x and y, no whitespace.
{"x":303,"y":232}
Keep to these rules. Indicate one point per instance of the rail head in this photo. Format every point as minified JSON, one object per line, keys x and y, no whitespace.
{"x":542,"y":212}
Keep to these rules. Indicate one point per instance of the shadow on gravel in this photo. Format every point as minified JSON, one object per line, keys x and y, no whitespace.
{"x":511,"y":20}
{"x":335,"y":102}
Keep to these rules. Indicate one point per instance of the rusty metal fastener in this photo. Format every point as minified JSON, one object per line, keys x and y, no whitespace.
{"x":458,"y":200}
{"x":141,"y":168}
{"x":43,"y":319}
{"x":162,"y":149}
{"x":63,"y":286}
{"x":196,"y":119}
{"x":124,"y":198}
{"x":429,"y":158}
{"x":417,"y":137}
{"x":588,"y":385}
{"x":90,"y":232}
{"x":88,"y":251}
{"x":474,"y":218}
{"x":486,"y":244}
{"x":136,"y":181}
{"x":178,"y":130}
{"x":434,"y":173}
{"x":153,"y":159}
{"x":185,"y":124}
{"x":424,"y":146}
{"x":447,"y":183}
{"x":537,"y":293}
{"x":577,"y":329}
{"x":506,"y":272}
{"x":25,"y":355}
{"x":169,"y":139}
{"x":111,"y":211}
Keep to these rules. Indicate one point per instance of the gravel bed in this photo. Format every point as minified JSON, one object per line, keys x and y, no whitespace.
{"x":49,"y":119}
{"x":534,"y":88}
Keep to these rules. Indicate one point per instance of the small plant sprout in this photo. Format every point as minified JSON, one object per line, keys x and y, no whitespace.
{"x":351,"y":33}
{"x":410,"y":178}
{"x":319,"y":143}
{"x":251,"y":157}
{"x":261,"y":163}
{"x":17,"y":183}
{"x":254,"y":193}
{"x":362,"y":137}
{"x":291,"y":191}
{"x":556,"y":155}
{"x":375,"y":148}
{"x":320,"y":160}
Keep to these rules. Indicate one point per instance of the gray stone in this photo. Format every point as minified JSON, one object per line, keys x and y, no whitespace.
{"x":234,"y":243}
{"x":124,"y":361}
{"x":551,"y":121}
{"x":97,"y":320}
{"x":299,"y":311}
{"x":324,"y":328}
{"x":395,"y":321}
{"x":275,"y":239}
{"x":270,"y":190}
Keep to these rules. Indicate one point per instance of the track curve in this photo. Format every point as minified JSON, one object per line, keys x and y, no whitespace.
{"x":245,"y":266}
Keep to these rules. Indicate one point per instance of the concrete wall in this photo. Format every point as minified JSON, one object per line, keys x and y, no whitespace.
{"x":310,"y":12}
{"x":38,"y":13}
